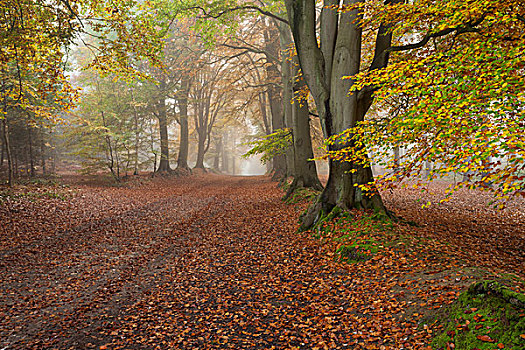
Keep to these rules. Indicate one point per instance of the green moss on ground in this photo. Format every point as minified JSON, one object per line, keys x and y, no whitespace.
{"x":357,"y":238}
{"x":301,"y":194}
{"x":486,"y":316}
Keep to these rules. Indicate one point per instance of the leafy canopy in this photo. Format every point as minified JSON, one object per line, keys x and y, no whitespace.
{"x":35,"y":37}
{"x":454,"y":95}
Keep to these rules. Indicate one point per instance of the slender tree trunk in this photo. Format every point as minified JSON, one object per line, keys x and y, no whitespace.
{"x":218,"y":153}
{"x":5,"y":134}
{"x":182,"y":160}
{"x":53,"y":152}
{"x":31,"y":153}
{"x":164,"y":164}
{"x":225,"y":167}
{"x":203,"y":131}
{"x":110,"y":154}
{"x":152,"y":144}
{"x":2,"y":153}
{"x":137,"y":135}
{"x":42,"y":152}
{"x":275,"y":99}
{"x":117,"y":158}
{"x":201,"y":144}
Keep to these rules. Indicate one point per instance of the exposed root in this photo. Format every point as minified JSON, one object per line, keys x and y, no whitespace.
{"x":182,"y":172}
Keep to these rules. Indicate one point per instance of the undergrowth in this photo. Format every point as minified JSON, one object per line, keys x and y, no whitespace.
{"x":486,"y":316}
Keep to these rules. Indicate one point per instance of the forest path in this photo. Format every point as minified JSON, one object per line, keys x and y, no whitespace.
{"x":208,"y":262}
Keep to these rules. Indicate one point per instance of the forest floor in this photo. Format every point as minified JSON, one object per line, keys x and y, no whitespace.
{"x":214,"y":261}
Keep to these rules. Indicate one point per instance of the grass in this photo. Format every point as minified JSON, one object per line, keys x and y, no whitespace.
{"x":36,"y":188}
{"x":30,"y":195}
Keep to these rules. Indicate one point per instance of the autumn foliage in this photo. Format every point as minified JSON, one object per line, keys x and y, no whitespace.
{"x":452,"y":96}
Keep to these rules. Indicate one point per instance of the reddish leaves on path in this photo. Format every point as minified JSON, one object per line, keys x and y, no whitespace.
{"x":201,"y":263}
{"x":482,"y":234}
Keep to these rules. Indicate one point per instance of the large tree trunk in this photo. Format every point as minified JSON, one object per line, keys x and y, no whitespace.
{"x":323,"y":67}
{"x":201,"y":144}
{"x":287,"y":78}
{"x":305,"y":168}
{"x":164,"y":164}
{"x":279,"y":161}
{"x":182,"y":159}
{"x":298,"y":119}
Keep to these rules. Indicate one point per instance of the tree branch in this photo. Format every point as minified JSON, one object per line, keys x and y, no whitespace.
{"x":467,"y":28}
{"x":237,"y":8}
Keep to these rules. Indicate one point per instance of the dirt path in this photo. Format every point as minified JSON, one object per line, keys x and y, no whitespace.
{"x":197,"y":263}
{"x":207,"y":243}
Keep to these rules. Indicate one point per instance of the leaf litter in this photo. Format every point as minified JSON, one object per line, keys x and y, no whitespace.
{"x":215,"y":262}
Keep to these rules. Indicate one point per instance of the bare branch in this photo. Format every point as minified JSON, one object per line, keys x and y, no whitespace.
{"x":237,"y":8}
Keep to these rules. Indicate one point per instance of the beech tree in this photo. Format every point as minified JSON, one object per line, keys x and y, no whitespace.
{"x":338,"y":54}
{"x":458,"y":67}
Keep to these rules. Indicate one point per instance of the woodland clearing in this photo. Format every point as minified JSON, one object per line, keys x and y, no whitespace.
{"x":213,"y":261}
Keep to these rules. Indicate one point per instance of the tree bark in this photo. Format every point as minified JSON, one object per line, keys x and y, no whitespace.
{"x":31,"y":153}
{"x":225,"y":166}
{"x":202,"y":112}
{"x":182,"y":159}
{"x":305,"y":168}
{"x":218,"y":153}
{"x":42,"y":152}
{"x":200,"y":150}
{"x":297,"y":117}
{"x":5,"y":134}
{"x":137,"y":135}
{"x":338,"y":55}
{"x":110,"y":154}
{"x":164,"y":164}
{"x":287,"y":78}
{"x":274,"y":97}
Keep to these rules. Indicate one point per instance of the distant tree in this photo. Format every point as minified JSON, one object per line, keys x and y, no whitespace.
{"x":35,"y":39}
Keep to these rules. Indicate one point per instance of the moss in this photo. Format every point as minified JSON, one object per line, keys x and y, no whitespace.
{"x":301,"y":194}
{"x":484,"y":316}
{"x":357,"y":251}
{"x":32,"y":196}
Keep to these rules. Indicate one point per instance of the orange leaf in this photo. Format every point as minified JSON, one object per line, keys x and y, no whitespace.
{"x":485,"y":338}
